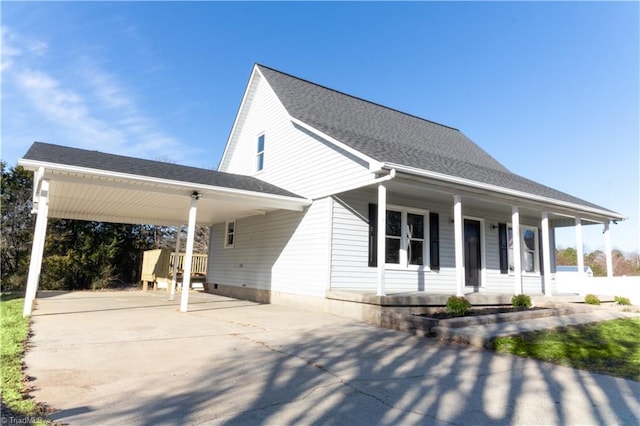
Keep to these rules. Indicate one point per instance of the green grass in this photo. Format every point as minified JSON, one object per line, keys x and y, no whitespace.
{"x":14,"y":329}
{"x":610,"y":347}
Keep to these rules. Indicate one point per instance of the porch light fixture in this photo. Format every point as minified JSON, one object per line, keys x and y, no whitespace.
{"x":494,"y":226}
{"x":196,"y":195}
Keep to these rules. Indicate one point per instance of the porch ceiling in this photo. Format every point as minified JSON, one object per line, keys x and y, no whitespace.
{"x":93,"y":195}
{"x":485,"y":200}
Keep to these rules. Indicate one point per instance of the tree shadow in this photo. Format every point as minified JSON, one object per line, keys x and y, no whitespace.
{"x":359,"y":374}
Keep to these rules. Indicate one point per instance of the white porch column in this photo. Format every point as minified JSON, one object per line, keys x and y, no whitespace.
{"x":546,"y":254}
{"x":381,"y":237}
{"x":517,"y":251}
{"x":458,"y":236}
{"x":186,"y":274}
{"x":607,"y":250}
{"x":176,"y":257}
{"x":35,"y":265}
{"x":579,"y":247}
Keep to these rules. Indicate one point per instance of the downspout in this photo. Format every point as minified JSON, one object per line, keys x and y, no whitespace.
{"x":391,"y":175}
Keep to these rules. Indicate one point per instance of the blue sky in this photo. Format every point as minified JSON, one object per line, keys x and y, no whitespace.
{"x":551,"y":90}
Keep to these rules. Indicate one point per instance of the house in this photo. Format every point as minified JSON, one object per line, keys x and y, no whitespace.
{"x":569,"y":269}
{"x":399,"y":203}
{"x":320,"y":193}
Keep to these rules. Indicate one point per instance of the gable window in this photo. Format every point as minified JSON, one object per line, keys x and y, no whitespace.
{"x":411,"y":238}
{"x":260,"y":154}
{"x":230,"y":234}
{"x":529,"y":246}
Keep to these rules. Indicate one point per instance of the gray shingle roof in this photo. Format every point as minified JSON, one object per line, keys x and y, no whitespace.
{"x":58,"y":154}
{"x":391,"y":136}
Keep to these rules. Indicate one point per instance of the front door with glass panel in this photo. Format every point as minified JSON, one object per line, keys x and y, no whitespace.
{"x":472,"y":260}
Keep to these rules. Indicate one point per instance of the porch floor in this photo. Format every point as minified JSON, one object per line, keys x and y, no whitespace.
{"x":421,"y":298}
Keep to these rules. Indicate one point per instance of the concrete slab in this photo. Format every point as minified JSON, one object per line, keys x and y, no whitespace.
{"x":132,"y":358}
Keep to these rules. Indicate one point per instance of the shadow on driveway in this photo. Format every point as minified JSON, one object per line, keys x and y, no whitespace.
{"x":130,"y":358}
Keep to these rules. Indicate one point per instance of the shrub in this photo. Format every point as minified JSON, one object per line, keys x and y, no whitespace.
{"x":622,"y":300}
{"x":591,"y":299}
{"x":458,"y":306}
{"x":521,"y":301}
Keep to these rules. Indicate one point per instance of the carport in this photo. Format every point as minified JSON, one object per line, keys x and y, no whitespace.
{"x":72,"y":183}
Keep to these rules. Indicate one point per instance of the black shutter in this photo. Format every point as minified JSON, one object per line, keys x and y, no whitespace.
{"x":373,"y":235}
{"x":434,"y":241}
{"x":541,"y":257}
{"x":504,"y":248}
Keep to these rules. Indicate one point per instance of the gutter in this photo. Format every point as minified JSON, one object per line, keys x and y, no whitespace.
{"x":387,"y":176}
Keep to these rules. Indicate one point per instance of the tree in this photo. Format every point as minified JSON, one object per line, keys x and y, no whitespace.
{"x":567,"y":256}
{"x":623,"y":264}
{"x":80,"y":254}
{"x":16,"y":228}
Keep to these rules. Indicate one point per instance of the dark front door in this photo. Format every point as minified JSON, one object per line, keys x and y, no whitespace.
{"x":472,"y":262}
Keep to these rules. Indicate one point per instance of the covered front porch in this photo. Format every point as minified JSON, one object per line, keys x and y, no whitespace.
{"x":502,"y":241}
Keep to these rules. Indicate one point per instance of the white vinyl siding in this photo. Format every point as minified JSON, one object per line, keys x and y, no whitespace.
{"x":350,"y":250}
{"x":280,"y":251}
{"x":298,"y":161}
{"x":349,"y":255}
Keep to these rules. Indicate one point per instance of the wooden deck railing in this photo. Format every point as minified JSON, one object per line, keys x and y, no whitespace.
{"x":198,"y":263}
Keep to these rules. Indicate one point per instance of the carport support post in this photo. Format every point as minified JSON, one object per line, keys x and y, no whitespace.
{"x":176,"y":258}
{"x":186,"y":274}
{"x":35,"y":265}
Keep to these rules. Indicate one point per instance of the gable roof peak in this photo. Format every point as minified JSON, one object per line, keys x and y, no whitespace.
{"x":320,"y":86}
{"x":381,"y":133}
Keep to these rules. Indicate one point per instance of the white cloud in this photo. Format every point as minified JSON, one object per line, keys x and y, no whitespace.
{"x":90,"y":106}
{"x":14,"y":46}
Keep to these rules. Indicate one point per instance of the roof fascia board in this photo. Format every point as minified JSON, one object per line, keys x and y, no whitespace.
{"x":515,"y":194}
{"x":374,"y":165}
{"x":239,"y":113}
{"x":188,"y":186}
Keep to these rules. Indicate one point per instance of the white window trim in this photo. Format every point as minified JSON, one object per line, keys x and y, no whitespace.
{"x":226,"y":233}
{"x":536,"y":253}
{"x":404,"y":240}
{"x":260,"y":153}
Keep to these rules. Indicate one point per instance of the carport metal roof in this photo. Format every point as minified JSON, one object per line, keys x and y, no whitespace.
{"x":72,"y":183}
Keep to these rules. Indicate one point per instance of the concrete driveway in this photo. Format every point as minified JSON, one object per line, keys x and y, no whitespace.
{"x":131,"y":358}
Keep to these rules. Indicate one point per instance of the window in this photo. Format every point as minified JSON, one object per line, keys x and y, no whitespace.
{"x":406,"y":241}
{"x":405,"y":238}
{"x":415,"y":238}
{"x":230,"y":234}
{"x":260,"y":154}
{"x":529,"y":249}
{"x":394,"y":236}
